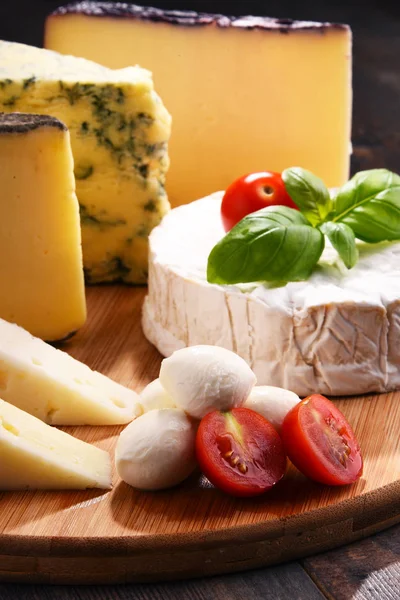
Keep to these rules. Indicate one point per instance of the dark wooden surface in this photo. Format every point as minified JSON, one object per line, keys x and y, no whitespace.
{"x":367,"y":570}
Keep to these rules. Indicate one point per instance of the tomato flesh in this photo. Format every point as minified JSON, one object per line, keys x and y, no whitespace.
{"x":240,"y":452}
{"x":253,"y":192}
{"x":320,"y":442}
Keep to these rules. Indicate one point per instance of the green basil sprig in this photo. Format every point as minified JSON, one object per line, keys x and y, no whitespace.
{"x":280,"y":244}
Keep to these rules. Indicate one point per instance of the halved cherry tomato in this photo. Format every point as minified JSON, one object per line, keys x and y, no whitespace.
{"x":320,"y":442}
{"x":240,"y":452}
{"x":251,"y":193}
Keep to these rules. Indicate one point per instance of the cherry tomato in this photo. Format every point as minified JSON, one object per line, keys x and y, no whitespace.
{"x":320,"y":442}
{"x":251,"y":193}
{"x":240,"y":452}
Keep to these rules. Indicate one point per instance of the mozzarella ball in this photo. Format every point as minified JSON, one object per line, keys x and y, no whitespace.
{"x":205,"y":378}
{"x":273,"y":403}
{"x":157,"y":450}
{"x":154,"y":396}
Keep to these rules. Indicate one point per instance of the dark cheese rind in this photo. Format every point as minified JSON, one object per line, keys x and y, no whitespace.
{"x":24,"y":122}
{"x":190,"y":18}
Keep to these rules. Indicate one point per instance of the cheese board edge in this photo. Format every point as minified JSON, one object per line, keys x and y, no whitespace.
{"x":160,"y":556}
{"x":68,"y":560}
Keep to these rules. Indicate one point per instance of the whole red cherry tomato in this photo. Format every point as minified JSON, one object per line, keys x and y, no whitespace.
{"x":240,"y":452}
{"x":320,"y":442}
{"x":251,"y":193}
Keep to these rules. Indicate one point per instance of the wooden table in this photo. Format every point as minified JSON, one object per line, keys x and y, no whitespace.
{"x":366,"y":570}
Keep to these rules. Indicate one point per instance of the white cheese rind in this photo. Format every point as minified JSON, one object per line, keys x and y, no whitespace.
{"x":37,"y":456}
{"x":337,"y":333}
{"x":56,"y":388}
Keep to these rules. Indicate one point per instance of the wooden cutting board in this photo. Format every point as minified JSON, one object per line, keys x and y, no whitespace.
{"x":193,"y":530}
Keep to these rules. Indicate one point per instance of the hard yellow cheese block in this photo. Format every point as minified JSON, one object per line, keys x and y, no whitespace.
{"x":56,"y":388}
{"x":245,"y":94}
{"x":41,"y":273}
{"x":36,"y":456}
{"x":119,"y":133}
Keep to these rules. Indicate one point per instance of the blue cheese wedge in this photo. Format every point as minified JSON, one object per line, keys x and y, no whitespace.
{"x":119,"y":132}
{"x":36,"y":456}
{"x":56,"y":388}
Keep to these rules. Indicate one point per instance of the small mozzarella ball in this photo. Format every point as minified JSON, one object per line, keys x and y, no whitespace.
{"x":205,"y":378}
{"x":154,"y":396}
{"x":273,"y":403}
{"x":157,"y":450}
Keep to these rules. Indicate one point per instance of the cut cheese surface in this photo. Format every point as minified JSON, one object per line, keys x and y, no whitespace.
{"x":246,"y":94}
{"x":119,"y":133}
{"x":337,"y":333}
{"x":41,"y":272}
{"x":36,"y":456}
{"x":56,"y":388}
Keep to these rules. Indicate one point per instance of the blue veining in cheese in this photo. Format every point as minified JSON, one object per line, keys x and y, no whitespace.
{"x":119,"y":131}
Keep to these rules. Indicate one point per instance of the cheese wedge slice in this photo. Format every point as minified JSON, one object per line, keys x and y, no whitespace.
{"x":119,"y":133}
{"x":56,"y":388}
{"x":41,"y":269}
{"x":246,"y":94}
{"x":36,"y":456}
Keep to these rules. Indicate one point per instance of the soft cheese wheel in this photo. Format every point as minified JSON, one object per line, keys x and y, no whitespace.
{"x":273,"y":403}
{"x":336,"y":333}
{"x":246,"y":94}
{"x":56,"y":388}
{"x":205,"y":378}
{"x":154,"y":396}
{"x":34,"y":455}
{"x":119,"y":131}
{"x":157,"y":450}
{"x":41,"y":274}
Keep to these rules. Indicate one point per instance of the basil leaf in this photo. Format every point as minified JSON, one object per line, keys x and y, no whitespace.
{"x":343,"y":240}
{"x":361,"y":189}
{"x":273,"y":244}
{"x":370,"y":204}
{"x":377,"y":219}
{"x":309,"y":193}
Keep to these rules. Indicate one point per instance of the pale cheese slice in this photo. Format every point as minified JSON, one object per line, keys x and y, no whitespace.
{"x":56,"y":388}
{"x":37,"y":456}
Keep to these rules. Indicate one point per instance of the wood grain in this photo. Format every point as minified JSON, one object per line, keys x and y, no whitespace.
{"x":193,"y":530}
{"x":368,"y":570}
{"x":277,"y":583}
